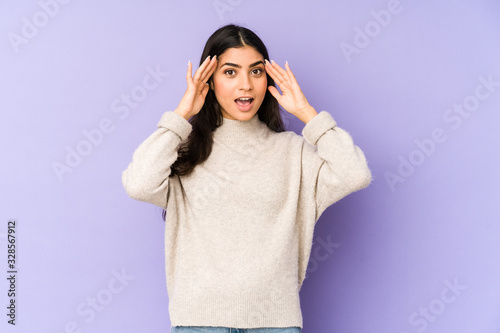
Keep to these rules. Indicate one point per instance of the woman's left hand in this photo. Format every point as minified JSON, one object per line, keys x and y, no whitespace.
{"x":292,"y":99}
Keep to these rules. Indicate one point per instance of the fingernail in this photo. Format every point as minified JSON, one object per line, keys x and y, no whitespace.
{"x":272,"y":60}
{"x":207,"y":58}
{"x":286,"y":62}
{"x":189,"y":61}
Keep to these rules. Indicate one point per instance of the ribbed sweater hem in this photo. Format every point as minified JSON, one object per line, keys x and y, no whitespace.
{"x":237,"y":311}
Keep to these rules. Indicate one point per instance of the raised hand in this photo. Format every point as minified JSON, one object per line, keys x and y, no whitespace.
{"x":292,"y":99}
{"x":197,"y":88}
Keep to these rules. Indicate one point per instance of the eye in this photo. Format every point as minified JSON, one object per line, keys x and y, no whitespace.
{"x":257,"y":71}
{"x":229,"y":70}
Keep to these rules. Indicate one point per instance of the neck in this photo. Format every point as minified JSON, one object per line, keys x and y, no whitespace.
{"x":238,"y":132}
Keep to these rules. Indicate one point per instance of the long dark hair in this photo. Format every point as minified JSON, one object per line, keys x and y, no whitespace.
{"x":198,"y":146}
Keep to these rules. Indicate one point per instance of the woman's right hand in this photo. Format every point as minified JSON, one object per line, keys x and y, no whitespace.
{"x":197,"y":88}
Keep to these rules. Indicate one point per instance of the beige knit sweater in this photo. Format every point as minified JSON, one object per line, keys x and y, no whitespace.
{"x":239,"y":229}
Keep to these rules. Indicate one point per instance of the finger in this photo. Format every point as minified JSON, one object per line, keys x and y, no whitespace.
{"x":209,"y":70}
{"x":283,"y":85}
{"x":200,"y":70}
{"x":274,"y":92}
{"x":271,"y":71}
{"x":189,"y":74}
{"x":279,"y":78}
{"x":290,"y":74}
{"x":279,"y":70}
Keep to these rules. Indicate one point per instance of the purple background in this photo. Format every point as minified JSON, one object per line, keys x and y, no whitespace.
{"x":396,"y":248}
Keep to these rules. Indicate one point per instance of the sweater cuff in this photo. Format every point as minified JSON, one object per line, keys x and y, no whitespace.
{"x":176,"y":123}
{"x":317,"y":126}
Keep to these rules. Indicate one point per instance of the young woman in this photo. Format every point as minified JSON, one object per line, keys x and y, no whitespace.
{"x":241,"y":194}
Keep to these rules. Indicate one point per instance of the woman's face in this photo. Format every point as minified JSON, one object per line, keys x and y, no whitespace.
{"x":240,"y":73}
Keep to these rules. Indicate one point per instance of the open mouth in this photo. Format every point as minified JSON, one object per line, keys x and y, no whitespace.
{"x":245,"y":101}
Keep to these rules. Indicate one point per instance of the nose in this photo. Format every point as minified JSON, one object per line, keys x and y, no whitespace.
{"x":246,"y":82}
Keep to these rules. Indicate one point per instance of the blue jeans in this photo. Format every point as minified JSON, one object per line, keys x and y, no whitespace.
{"x":211,"y":329}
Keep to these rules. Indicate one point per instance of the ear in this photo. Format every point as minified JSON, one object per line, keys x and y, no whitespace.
{"x":211,"y":83}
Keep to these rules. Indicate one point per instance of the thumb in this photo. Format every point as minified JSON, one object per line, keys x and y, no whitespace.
{"x":274,"y":92}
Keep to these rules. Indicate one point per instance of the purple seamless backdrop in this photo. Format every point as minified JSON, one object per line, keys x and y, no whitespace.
{"x":416,"y":251}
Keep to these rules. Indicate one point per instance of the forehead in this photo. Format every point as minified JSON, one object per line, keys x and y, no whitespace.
{"x":243,"y":56}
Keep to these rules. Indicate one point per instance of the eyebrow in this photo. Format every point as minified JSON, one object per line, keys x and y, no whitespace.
{"x":235,"y":65}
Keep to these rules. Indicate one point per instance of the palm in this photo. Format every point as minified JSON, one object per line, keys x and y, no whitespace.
{"x":292,"y":99}
{"x":197,"y":87}
{"x":196,"y":93}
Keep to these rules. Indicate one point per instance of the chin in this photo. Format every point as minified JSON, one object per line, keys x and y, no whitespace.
{"x":240,"y":115}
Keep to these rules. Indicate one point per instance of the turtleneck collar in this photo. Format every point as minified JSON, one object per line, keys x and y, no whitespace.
{"x":234,"y":131}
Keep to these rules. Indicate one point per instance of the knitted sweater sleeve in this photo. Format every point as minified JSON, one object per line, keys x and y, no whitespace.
{"x":332,"y":165}
{"x":146,"y":177}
